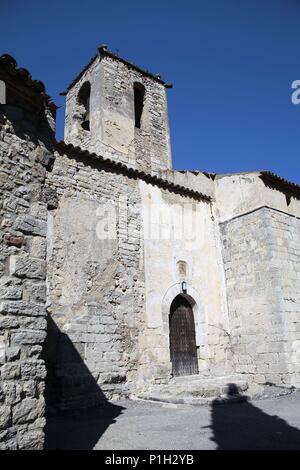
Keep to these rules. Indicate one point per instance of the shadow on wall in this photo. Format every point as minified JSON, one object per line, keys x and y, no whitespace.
{"x":242,"y":426}
{"x":70,"y":385}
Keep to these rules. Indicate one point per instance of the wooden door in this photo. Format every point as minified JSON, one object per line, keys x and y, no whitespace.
{"x":183,"y":347}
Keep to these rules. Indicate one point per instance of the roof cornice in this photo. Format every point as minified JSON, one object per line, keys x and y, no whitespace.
{"x":111,"y":165}
{"x":276,"y":182}
{"x":10,"y":68}
{"x":104,"y":52}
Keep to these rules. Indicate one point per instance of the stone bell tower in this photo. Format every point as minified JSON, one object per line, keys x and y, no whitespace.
{"x":119,"y":111}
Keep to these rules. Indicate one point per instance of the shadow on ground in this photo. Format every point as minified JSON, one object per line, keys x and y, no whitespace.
{"x":77,"y":411}
{"x":243,"y":426}
{"x":70,"y":386}
{"x":80,"y":429}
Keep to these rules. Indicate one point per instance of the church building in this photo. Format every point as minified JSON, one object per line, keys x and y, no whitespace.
{"x":121,"y":276}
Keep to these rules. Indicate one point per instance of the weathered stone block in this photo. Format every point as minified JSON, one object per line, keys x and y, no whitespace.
{"x":7,"y":444}
{"x":112,"y":356}
{"x":38,"y":247}
{"x":259,"y":379}
{"x":5,"y":417}
{"x":22,"y":308}
{"x":32,"y":323}
{"x":35,"y":293}
{"x":13,"y":353}
{"x":28,"y":337}
{"x":7,"y":322}
{"x":38,"y":210}
{"x":38,"y":423}
{"x":11,"y":289}
{"x":33,"y":369}
{"x":29,"y":388}
{"x":14,"y":240}
{"x":35,"y":351}
{"x":10,"y":371}
{"x":41,"y":387}
{"x":28,"y":410}
{"x":50,"y":197}
{"x":30,"y":225}
{"x":31,"y":440}
{"x":25,"y":266}
{"x":10,"y":392}
{"x":43,"y":156}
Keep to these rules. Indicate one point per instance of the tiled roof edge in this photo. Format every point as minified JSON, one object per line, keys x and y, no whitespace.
{"x":280,"y":182}
{"x":104,"y":52}
{"x":71,"y":150}
{"x":11,"y":67}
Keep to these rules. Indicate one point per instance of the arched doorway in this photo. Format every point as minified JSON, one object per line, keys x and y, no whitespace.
{"x":183,"y":347}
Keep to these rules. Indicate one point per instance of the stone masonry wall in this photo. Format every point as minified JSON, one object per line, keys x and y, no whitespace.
{"x":95,"y":285}
{"x":260,"y":257}
{"x":286,"y":244}
{"x":112,"y":131}
{"x":26,"y":137}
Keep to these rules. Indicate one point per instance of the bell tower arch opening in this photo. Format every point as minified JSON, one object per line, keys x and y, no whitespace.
{"x":139,"y":96}
{"x":84,"y":102}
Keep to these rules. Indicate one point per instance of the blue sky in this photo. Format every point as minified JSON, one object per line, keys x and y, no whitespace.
{"x":232,"y":63}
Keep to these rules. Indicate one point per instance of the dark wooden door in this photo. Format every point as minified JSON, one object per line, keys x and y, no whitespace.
{"x":182,"y":338}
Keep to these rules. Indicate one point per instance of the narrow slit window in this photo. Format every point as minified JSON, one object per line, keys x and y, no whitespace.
{"x":139,"y":95}
{"x":84,"y":101}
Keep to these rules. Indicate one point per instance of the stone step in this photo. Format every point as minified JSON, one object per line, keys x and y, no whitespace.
{"x":188,"y":400}
{"x":212,"y":386}
{"x":207,"y":375}
{"x":253,"y":392}
{"x":198,"y":390}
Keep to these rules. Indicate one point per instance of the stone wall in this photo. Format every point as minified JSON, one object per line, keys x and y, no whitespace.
{"x":260,"y":253}
{"x":26,"y":138}
{"x":178,"y":230}
{"x":286,"y":247}
{"x":95,"y":283}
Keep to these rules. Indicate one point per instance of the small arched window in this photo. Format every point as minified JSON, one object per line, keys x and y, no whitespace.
{"x":2,"y":92}
{"x":84,"y":101}
{"x":139,"y":95}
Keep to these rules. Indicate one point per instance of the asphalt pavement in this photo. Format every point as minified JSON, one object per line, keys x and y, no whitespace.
{"x":269,"y":424}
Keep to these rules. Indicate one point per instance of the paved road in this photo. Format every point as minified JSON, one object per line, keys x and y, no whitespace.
{"x":272,"y":423}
